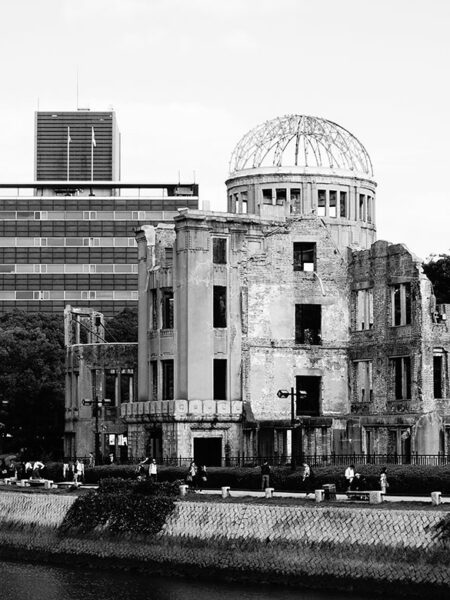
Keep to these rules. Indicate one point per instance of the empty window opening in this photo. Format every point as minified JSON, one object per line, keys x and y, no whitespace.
{"x":343,"y":204}
{"x":154,"y":309}
{"x":126,"y":385}
{"x":220,"y":306}
{"x":364,"y":385}
{"x":401,"y":304}
{"x":167,"y":309}
{"x":308,"y":395}
{"x":369,"y":209}
{"x":333,"y":204}
{"x":167,"y":375}
{"x":236,"y":202}
{"x":438,"y":378}
{"x":220,"y":379}
{"x":111,"y":386}
{"x":364,"y":309}
{"x":281,"y":196}
{"x":219,"y":251}
{"x":154,"y":375}
{"x":362,"y":204}
{"x":267,"y":196}
{"x":308,"y":319}
{"x":304,"y":256}
{"x":321,"y":203}
{"x":295,"y":200}
{"x":402,"y":377}
{"x":244,"y":200}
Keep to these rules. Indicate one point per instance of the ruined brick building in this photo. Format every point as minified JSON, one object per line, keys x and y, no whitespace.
{"x":289,"y":289}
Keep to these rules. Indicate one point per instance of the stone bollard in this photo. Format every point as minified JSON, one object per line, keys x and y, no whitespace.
{"x":375,"y":497}
{"x":225,"y":491}
{"x":319,"y":495}
{"x":183,"y":489}
{"x":435,"y":498}
{"x":269,"y":492}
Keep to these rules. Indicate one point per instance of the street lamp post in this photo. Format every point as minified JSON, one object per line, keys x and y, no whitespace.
{"x":96,"y":404}
{"x":295,"y":398}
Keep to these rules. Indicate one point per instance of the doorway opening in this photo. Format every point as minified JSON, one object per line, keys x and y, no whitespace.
{"x":208,"y":451}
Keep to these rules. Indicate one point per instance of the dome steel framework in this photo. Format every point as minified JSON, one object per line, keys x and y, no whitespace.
{"x":299,"y":140}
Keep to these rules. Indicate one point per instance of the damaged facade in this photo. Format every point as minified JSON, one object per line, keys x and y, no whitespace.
{"x":99,"y":378}
{"x":288,"y":289}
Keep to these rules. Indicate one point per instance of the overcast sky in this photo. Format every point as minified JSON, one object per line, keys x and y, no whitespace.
{"x":188,"y":78}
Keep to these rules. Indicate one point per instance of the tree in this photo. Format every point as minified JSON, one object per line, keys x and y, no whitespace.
{"x":123,"y":327}
{"x":32,"y":381}
{"x":437,"y":269}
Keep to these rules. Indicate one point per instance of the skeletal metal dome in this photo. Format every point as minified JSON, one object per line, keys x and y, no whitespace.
{"x":299,"y":140}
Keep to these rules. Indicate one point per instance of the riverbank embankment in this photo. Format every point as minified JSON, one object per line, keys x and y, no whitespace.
{"x":317,"y":545}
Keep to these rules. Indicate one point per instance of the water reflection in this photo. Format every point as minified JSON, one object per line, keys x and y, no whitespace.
{"x":20,"y":581}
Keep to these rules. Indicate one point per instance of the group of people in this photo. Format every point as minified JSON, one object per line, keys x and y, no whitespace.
{"x":356,"y":482}
{"x":148,"y":469}
{"x":30,"y":469}
{"x":73,"y":470}
{"x":196,"y":476}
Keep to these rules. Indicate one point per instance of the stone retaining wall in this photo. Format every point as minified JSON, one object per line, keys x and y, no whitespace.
{"x":366,"y":548}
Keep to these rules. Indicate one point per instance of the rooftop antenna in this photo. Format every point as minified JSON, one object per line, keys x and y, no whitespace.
{"x":194,"y":175}
{"x":178,"y":177}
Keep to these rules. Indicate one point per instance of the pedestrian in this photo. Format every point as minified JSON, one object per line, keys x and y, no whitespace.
{"x":306,"y":478}
{"x":37,"y":466}
{"x":3,"y":469}
{"x":202,"y":477}
{"x":358,"y":483}
{"x":265,"y":475}
{"x":349,"y":476}
{"x":28,"y":469}
{"x":153,"y":471}
{"x":141,"y":469}
{"x":91,"y":462}
{"x":191,"y":475}
{"x":78,"y":471}
{"x":111,"y":459}
{"x":384,"y":484}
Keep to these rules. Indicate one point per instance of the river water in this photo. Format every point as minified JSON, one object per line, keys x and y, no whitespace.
{"x":23,"y":581}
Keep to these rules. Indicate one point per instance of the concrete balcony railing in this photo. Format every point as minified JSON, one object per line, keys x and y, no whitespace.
{"x":182,"y":409}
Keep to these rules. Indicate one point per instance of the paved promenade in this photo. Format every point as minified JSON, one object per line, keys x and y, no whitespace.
{"x":340,"y":497}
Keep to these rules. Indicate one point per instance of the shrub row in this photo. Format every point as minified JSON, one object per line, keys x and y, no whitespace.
{"x":121,"y":506}
{"x":403,"y":479}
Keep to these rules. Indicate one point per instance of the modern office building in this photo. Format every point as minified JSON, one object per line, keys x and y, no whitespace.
{"x":68,"y":236}
{"x":79,"y":145}
{"x":288,"y":292}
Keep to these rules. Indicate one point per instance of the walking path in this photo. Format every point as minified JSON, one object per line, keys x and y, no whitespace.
{"x":302,"y":495}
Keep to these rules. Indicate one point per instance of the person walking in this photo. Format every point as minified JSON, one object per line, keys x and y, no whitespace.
{"x":78,"y":471}
{"x":349,"y":476}
{"x":191,"y":476}
{"x":202,"y":477}
{"x":153,"y":471}
{"x":265,"y":475}
{"x":37,"y":466}
{"x":384,"y":484}
{"x":306,"y":478}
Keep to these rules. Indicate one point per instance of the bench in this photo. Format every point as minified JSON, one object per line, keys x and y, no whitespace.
{"x":371,"y":496}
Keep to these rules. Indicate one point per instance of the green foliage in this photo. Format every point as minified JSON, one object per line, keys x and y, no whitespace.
{"x":32,"y":381}
{"x":438,"y":271}
{"x":122,"y":507}
{"x":403,"y":479}
{"x":123,"y":327}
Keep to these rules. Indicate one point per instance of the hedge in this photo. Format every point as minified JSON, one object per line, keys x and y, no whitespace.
{"x":403,"y":479}
{"x":121,"y":506}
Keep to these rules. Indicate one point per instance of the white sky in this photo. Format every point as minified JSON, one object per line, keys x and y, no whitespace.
{"x":188,"y":78}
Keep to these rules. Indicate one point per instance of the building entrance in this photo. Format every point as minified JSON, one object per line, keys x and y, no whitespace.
{"x":208,"y":451}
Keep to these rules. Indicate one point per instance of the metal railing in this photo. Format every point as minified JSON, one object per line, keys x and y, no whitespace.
{"x":314,"y":460}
